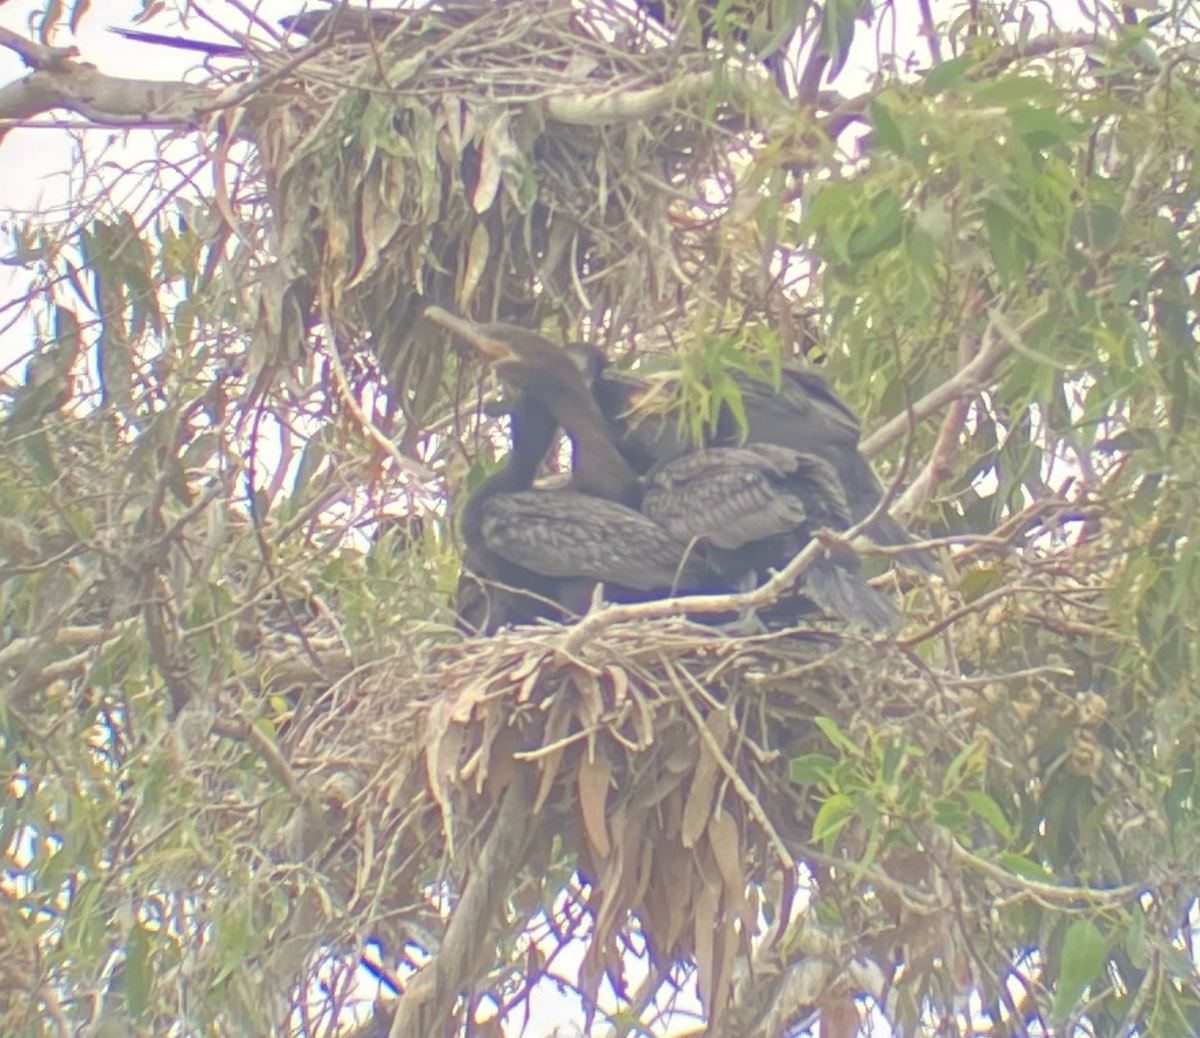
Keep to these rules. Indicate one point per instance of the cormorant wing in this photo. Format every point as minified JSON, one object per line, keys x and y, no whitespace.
{"x":732,"y":496}
{"x":565,"y":534}
{"x":804,"y":413}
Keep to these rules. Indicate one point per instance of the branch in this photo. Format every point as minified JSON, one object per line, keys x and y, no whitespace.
{"x":101,"y":99}
{"x":431,"y":994}
{"x":595,"y":109}
{"x":999,"y":340}
{"x":938,"y":467}
{"x":36,"y":55}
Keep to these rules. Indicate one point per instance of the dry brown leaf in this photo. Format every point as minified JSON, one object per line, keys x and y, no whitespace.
{"x":443,"y":742}
{"x":479,"y":251}
{"x":467,"y":700}
{"x":494,"y":149}
{"x":619,"y":682}
{"x":704,"y":932}
{"x":557,"y":725}
{"x":839,"y":1016}
{"x":698,"y":808}
{"x":725,"y":946}
{"x":595,"y":775}
{"x":455,"y":113}
{"x":645,"y":719}
{"x":725,"y":843}
{"x":618,"y":877}
{"x":501,"y":766}
{"x":591,"y":699}
{"x":527,"y":674}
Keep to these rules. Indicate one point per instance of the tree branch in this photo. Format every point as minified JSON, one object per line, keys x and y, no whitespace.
{"x":999,"y":340}
{"x":102,"y":99}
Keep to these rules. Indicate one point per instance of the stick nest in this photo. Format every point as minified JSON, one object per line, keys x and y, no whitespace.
{"x":657,"y":756}
{"x":525,"y":162}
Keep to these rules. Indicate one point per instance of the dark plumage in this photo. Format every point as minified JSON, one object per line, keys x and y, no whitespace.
{"x":533,"y":554}
{"x":743,"y":509}
{"x":495,"y":590}
{"x":804,"y":414}
{"x":757,"y":506}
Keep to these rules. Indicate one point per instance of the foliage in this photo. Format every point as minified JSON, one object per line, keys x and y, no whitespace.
{"x":243,"y":739}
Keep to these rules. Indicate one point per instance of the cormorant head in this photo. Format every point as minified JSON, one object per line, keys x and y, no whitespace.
{"x":524,"y":360}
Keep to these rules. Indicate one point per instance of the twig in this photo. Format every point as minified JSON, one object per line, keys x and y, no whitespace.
{"x":36,"y":55}
{"x":731,"y":774}
{"x":1108,"y":896}
{"x":412,"y":467}
{"x":937,"y":467}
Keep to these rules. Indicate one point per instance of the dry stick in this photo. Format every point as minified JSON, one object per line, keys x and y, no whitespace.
{"x":431,"y":994}
{"x":412,"y":467}
{"x":752,"y":803}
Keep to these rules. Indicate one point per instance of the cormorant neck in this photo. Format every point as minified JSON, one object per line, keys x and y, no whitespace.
{"x":532,"y":428}
{"x":599,"y":468}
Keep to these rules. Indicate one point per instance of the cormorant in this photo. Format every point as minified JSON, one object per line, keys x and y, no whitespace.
{"x":804,"y":414}
{"x":744,"y":508}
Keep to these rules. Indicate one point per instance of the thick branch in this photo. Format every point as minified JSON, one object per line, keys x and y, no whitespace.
{"x":102,"y":99}
{"x":460,"y":961}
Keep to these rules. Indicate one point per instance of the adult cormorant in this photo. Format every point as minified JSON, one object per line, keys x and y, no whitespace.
{"x":804,"y":414}
{"x":745,"y":508}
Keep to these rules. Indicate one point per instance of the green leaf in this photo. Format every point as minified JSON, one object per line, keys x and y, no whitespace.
{"x":811,"y":769}
{"x":1041,"y":128}
{"x":979,"y":581}
{"x":834,"y":734}
{"x":989,"y":811}
{"x":883,"y":232}
{"x":1002,"y":242}
{"x":1082,"y":960}
{"x":888,"y":133}
{"x":835,"y":814}
{"x":139,"y":972}
{"x":1019,"y":865}
{"x":830,"y":202}
{"x":949,"y":75}
{"x":1011,"y":89}
{"x":1136,"y":946}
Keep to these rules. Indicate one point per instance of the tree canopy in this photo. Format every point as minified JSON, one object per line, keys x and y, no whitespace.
{"x":259,"y":784}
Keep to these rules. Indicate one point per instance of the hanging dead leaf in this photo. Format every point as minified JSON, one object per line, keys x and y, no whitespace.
{"x":475,"y":263}
{"x":725,"y":843}
{"x":497,"y":772}
{"x":704,"y":927}
{"x":595,"y":776}
{"x":704,"y":781}
{"x":839,"y":1015}
{"x":495,"y":150}
{"x":443,"y":744}
{"x":558,"y":723}
{"x":591,"y":699}
{"x":725,"y":944}
{"x":618,"y":681}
